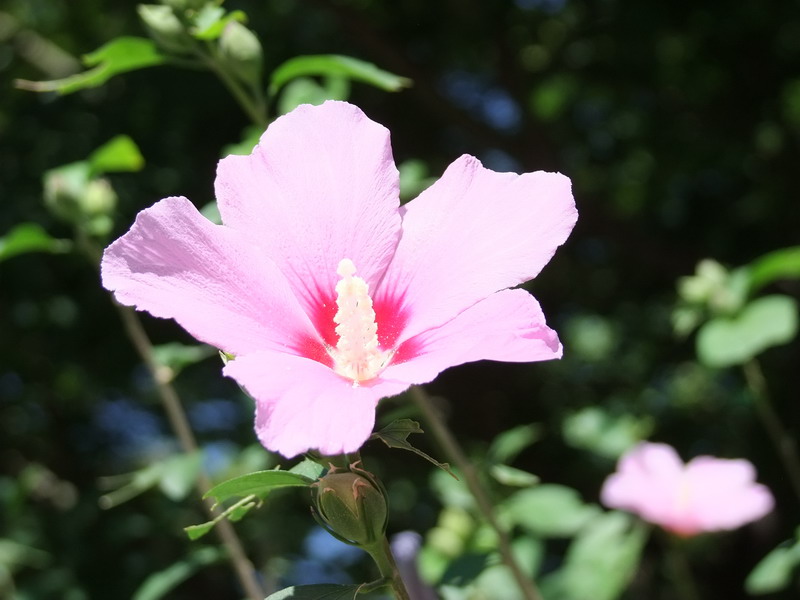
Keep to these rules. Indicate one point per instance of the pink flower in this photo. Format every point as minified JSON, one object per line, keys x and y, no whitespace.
{"x":706,"y":494}
{"x":329,"y":294}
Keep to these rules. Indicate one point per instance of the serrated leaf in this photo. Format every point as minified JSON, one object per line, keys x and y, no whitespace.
{"x":120,"y":55}
{"x":258,"y":484}
{"x":30,"y":237}
{"x":395,"y":435}
{"x":334,"y":64}
{"x":159,"y":584}
{"x":780,"y":264}
{"x":119,"y":154}
{"x":322,"y":591}
{"x":765,"y":322}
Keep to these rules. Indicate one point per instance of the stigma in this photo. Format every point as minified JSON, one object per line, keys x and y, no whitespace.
{"x":357,"y":354}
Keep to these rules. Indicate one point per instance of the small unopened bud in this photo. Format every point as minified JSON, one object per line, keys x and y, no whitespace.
{"x":165,"y":27}
{"x":352,"y":506}
{"x":242,"y":52}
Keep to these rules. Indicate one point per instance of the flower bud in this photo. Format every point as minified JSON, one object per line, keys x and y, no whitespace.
{"x":165,"y":27}
{"x":242,"y":52}
{"x":352,"y":506}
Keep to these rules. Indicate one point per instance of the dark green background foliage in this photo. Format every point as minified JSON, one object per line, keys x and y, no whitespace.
{"x":677,"y":122}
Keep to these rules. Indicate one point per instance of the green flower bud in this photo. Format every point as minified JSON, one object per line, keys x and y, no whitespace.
{"x":165,"y":27}
{"x":352,"y":506}
{"x":242,"y":52}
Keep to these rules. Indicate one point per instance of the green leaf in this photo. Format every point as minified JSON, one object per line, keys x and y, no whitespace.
{"x":334,"y":64}
{"x":211,"y":21}
{"x":395,"y":435}
{"x":774,"y":572}
{"x":30,"y":237}
{"x":175,"y":356}
{"x":780,"y":264}
{"x":547,"y":510}
{"x":235,"y":512}
{"x":317,"y":592}
{"x":120,"y":55}
{"x":258,"y":484}
{"x":250,"y":137}
{"x":119,"y":154}
{"x":159,"y":584}
{"x":506,"y":446}
{"x":305,"y":90}
{"x":308,"y":468}
{"x":512,"y":476}
{"x":765,"y":322}
{"x":179,"y":474}
{"x":603,"y":433}
{"x":601,"y":561}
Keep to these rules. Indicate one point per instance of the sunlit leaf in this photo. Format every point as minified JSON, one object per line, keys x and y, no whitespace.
{"x":308,"y":468}
{"x":120,"y":55}
{"x":159,"y":584}
{"x":395,"y":435}
{"x":512,"y":476}
{"x":211,"y":21}
{"x":179,"y":474}
{"x":305,"y":90}
{"x":119,"y":154}
{"x":780,"y":264}
{"x":765,"y":322}
{"x":334,"y":64}
{"x":603,"y":433}
{"x":258,"y":484}
{"x":30,"y":237}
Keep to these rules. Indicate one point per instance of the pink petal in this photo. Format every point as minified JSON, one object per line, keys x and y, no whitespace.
{"x":472,"y":233}
{"x":647,"y":482}
{"x":724,"y":494}
{"x":508,"y":326}
{"x":302,"y":404}
{"x":320,"y":186}
{"x":176,"y":264}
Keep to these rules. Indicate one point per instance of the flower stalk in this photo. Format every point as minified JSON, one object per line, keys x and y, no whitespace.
{"x":452,"y":448}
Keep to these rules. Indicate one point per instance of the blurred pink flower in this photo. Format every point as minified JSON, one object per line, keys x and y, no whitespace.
{"x":706,"y":494}
{"x":329,"y":294}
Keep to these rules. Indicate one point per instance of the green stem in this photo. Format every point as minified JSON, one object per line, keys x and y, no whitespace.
{"x":784,"y":444}
{"x":451,"y":447}
{"x":382,"y":555}
{"x":245,"y":571}
{"x":680,"y":571}
{"x":254,"y":106}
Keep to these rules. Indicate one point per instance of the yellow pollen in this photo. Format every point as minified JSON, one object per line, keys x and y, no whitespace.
{"x":357,"y":355}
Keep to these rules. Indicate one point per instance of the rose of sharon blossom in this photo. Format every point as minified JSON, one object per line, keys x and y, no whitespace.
{"x":706,"y":494}
{"x":329,"y":294}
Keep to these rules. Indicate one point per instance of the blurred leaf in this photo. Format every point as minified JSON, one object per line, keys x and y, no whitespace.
{"x":317,"y":592}
{"x":211,"y":21}
{"x":606,"y":435}
{"x":507,"y":445}
{"x":250,"y":137}
{"x":774,"y":572}
{"x":120,"y":55}
{"x":257,"y":484}
{"x":334,"y":64}
{"x":513,"y":477}
{"x":176,"y":356}
{"x":765,"y":322}
{"x":305,"y":90}
{"x":179,"y":474}
{"x":600,"y":561}
{"x":159,"y":584}
{"x":552,"y":96}
{"x":395,"y":435}
{"x":30,"y":237}
{"x":119,"y":154}
{"x":547,"y":510}
{"x":211,"y":212}
{"x":15,"y":555}
{"x":414,"y":178}
{"x":780,"y":264}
